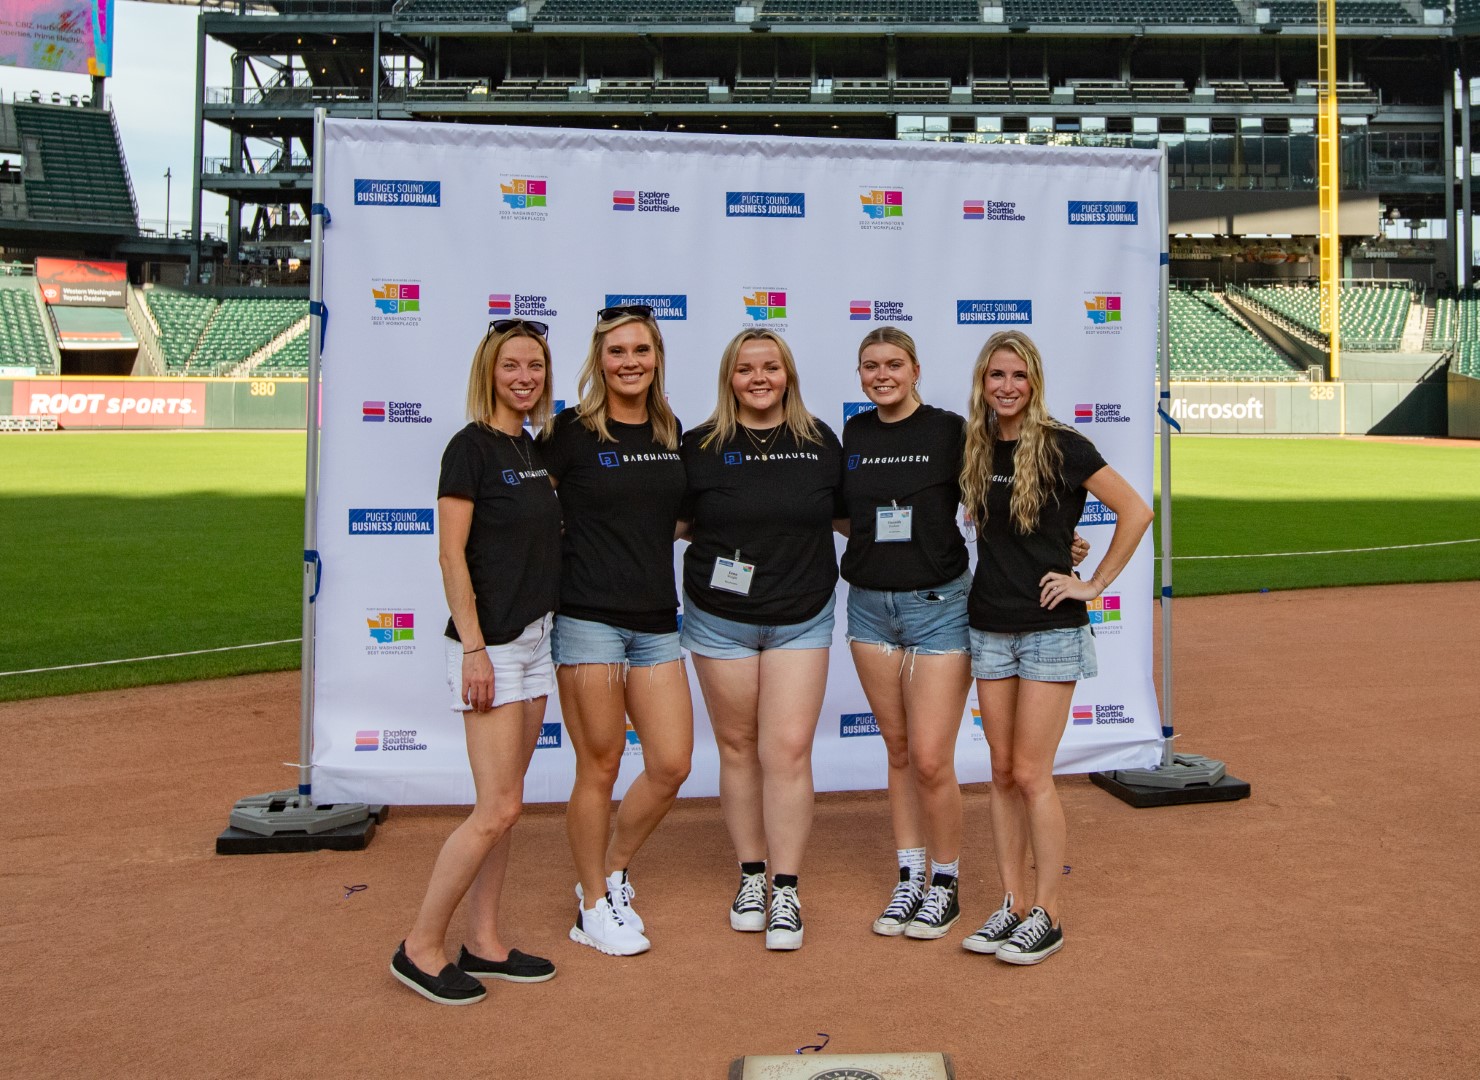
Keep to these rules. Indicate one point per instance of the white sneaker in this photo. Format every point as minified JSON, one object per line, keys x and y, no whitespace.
{"x":748,"y":912}
{"x":784,"y":926}
{"x":620,"y":892}
{"x":603,"y":929}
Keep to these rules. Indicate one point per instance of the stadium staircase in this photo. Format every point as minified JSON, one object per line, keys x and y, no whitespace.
{"x":1211,"y":342}
{"x":287,"y":363}
{"x":146,"y":330}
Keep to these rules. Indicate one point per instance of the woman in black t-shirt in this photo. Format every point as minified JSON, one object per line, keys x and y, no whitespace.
{"x":758,"y":583}
{"x":498,"y":543}
{"x":621,"y":483}
{"x":908,"y":574}
{"x":1024,"y":480}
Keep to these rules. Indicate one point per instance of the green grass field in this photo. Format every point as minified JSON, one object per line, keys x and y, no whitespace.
{"x":138,"y":544}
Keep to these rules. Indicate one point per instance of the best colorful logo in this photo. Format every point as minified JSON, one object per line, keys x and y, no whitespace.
{"x":1102,"y":309}
{"x":881,"y":204}
{"x":764,"y":304}
{"x":1104,"y":609}
{"x":388,"y":626}
{"x":521,"y":194}
{"x":397,"y":299}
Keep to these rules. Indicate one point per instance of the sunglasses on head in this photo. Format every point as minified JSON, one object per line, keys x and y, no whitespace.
{"x":642,"y":311}
{"x":503,"y":326}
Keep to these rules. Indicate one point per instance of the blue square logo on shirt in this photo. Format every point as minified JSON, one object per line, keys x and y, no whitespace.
{"x":852,"y":461}
{"x":733,"y":457}
{"x":609,"y":459}
{"x":511,"y":477}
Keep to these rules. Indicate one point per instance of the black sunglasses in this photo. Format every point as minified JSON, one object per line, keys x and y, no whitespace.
{"x":503,"y":326}
{"x":642,"y":311}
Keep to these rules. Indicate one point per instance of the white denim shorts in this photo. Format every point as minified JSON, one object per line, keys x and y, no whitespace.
{"x":522,"y":668}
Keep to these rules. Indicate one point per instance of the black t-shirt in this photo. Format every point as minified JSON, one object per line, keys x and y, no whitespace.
{"x":1009,"y":564}
{"x":513,"y":548}
{"x":776,"y":508}
{"x":914,"y":462}
{"x":621,"y":501}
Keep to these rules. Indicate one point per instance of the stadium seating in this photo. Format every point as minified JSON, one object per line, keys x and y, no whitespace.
{"x":181,"y":318}
{"x":291,"y":359}
{"x":1209,"y":343}
{"x":1352,"y":12}
{"x":22,"y":334}
{"x":1461,"y":329}
{"x":894,"y":11}
{"x":1118,"y":11}
{"x":616,"y":11}
{"x":84,"y":176}
{"x":240,"y":328}
{"x":1372,"y":315}
{"x":1442,"y":330}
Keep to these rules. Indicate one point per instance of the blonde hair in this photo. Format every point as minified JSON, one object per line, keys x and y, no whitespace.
{"x":1038,"y":460}
{"x":893,"y":335}
{"x":591,"y":385}
{"x":480,"y":378}
{"x":726,"y":416}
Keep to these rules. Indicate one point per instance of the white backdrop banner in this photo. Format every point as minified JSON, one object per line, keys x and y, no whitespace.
{"x":438,"y":228}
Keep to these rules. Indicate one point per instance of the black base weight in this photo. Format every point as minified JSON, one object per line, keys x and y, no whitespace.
{"x":1228,"y":789}
{"x":354,"y":837}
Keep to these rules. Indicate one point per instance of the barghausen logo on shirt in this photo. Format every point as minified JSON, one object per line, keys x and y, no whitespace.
{"x":609,"y":459}
{"x":733,"y":457}
{"x":851,"y":725}
{"x":993,"y":312}
{"x":514,"y":477}
{"x":415,"y":521}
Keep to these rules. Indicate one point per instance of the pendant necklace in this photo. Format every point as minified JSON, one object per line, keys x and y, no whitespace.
{"x":519,"y":448}
{"x":763,"y":446}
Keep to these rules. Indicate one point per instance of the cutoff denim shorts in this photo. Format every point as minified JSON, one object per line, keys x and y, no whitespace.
{"x":582,"y":641}
{"x":1063,"y":655}
{"x":522,"y":670}
{"x":725,"y":639}
{"x":930,"y":622}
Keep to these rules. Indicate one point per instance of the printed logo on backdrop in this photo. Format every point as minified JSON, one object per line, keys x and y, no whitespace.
{"x":1100,"y":412}
{"x":523,"y":198}
{"x":851,"y":725}
{"x":883,"y":209}
{"x":644,"y":202}
{"x":994,"y":312}
{"x":396,"y":522}
{"x":766,"y":204}
{"x":392,"y":633}
{"x":890,"y":311}
{"x":1102,"y":314}
{"x":634,"y":744}
{"x":557,"y":406}
{"x":1253,"y":409}
{"x":520,"y":306}
{"x":667,"y":307}
{"x":1104,"y":614}
{"x":549,"y":736}
{"x":389,"y":739}
{"x":1102,"y":213}
{"x":398,"y":193}
{"x":765,"y":306}
{"x":1099,"y":715}
{"x":978,"y":733}
{"x":397,"y":303}
{"x":394,"y":412}
{"x":854,"y":408}
{"x":1096,"y":513}
{"x":991,"y":210}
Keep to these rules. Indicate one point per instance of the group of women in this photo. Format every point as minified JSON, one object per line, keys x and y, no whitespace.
{"x":556,"y":555}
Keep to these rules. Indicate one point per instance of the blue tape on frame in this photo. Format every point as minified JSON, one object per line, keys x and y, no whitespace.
{"x":311,"y":556}
{"x":319,"y":308}
{"x":1159,"y":412}
{"x":1166,"y":256}
{"x":1166,"y":591}
{"x":305,"y":790}
{"x":1166,"y":733}
{"x":320,"y":210}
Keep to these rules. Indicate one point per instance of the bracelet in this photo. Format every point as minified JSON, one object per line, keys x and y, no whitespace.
{"x":470,"y":652}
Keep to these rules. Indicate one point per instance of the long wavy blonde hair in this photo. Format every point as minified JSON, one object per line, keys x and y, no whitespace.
{"x":726,"y":417}
{"x":1039,"y":459}
{"x":591,"y":385}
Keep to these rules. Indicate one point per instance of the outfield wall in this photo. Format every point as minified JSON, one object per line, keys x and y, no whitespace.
{"x":127,"y":403}
{"x":1311,"y":408}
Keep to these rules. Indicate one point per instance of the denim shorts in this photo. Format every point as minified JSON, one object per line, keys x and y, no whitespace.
{"x":725,"y":639}
{"x":581,"y":641}
{"x":1064,"y":655}
{"x":522,"y":670}
{"x":931,"y":622}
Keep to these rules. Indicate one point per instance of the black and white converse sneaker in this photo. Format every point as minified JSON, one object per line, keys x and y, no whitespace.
{"x":997,"y":929}
{"x":784,"y":927}
{"x":1034,"y":941}
{"x":748,"y":912}
{"x":902,"y":905}
{"x":938,"y":911}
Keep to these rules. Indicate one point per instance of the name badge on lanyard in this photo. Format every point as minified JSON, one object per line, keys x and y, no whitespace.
{"x":732,"y":575}
{"x":893,"y":524}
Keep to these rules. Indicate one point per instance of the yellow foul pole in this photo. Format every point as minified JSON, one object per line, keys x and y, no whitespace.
{"x":1328,"y":141}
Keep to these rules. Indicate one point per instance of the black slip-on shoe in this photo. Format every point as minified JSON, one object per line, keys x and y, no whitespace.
{"x":519,"y":967}
{"x":450,"y":986}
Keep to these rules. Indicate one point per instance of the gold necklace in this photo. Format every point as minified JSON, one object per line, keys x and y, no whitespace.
{"x":763,"y":448}
{"x":519,"y":448}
